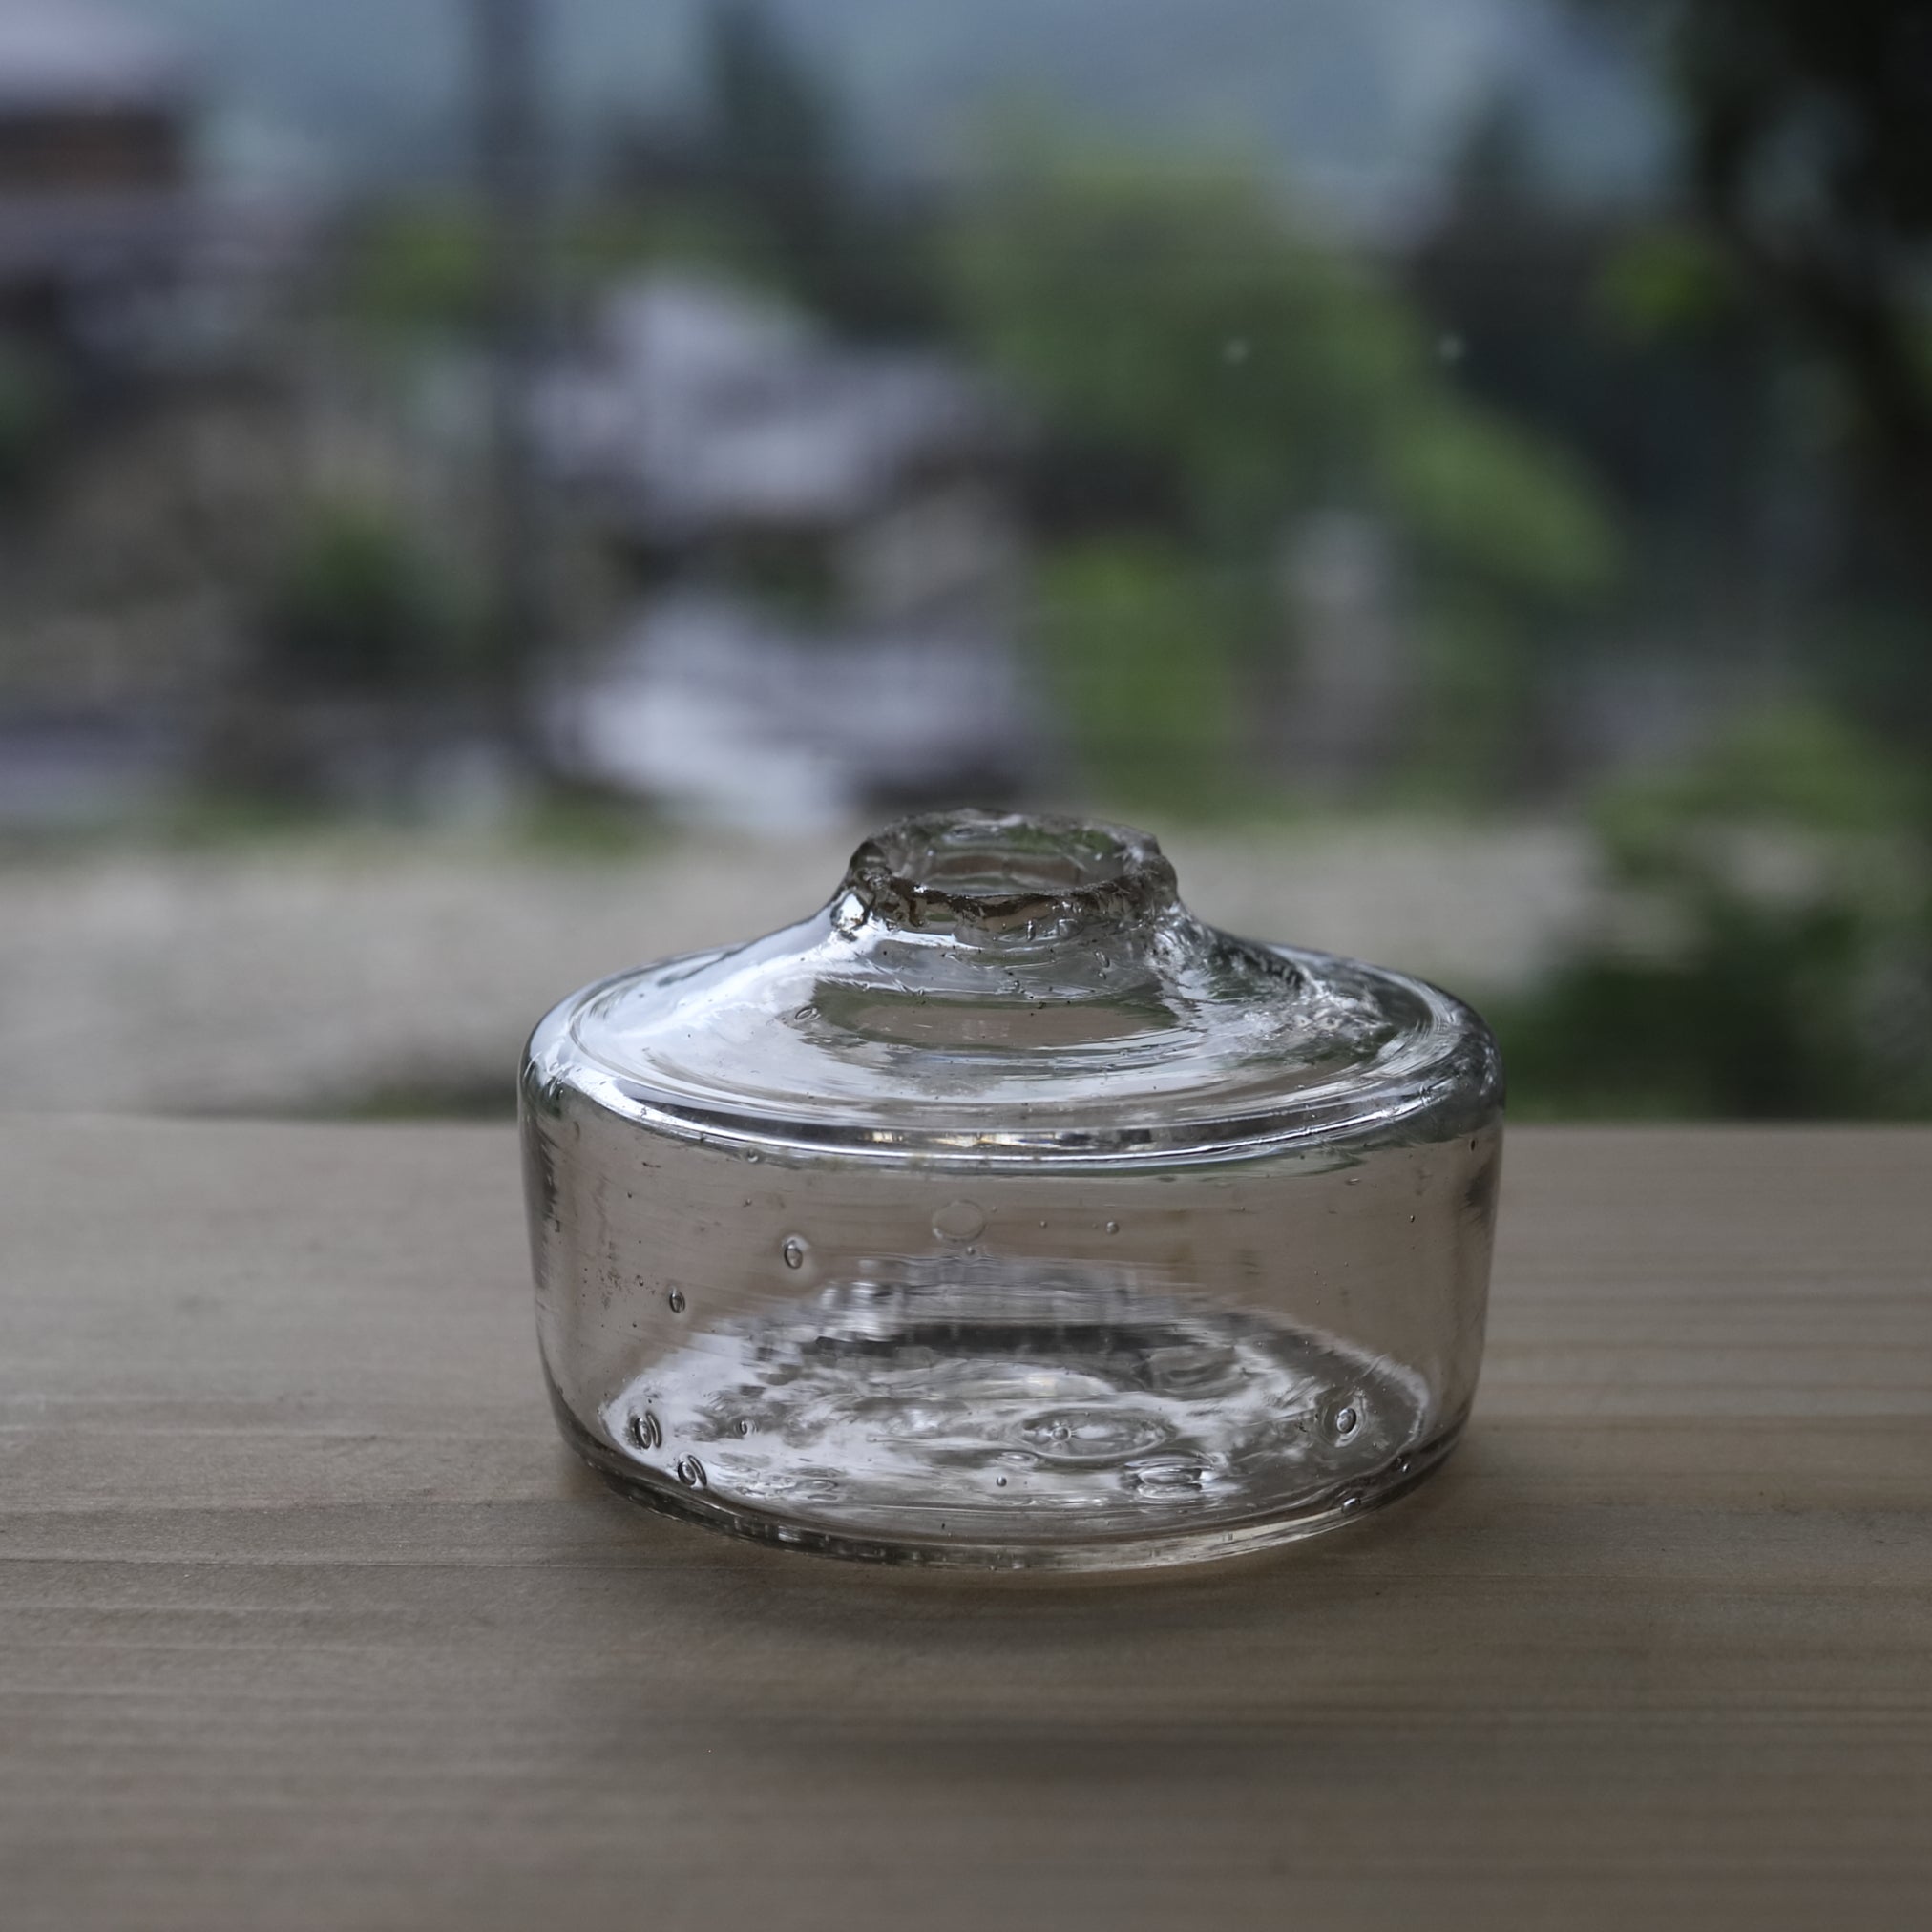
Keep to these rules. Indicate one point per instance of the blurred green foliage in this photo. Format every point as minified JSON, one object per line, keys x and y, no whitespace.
{"x":1782,"y":887}
{"x":1797,"y":769}
{"x":1495,"y":503}
{"x":1139,"y":654}
{"x":1175,"y":320}
{"x":417,"y":264}
{"x":360,"y":602}
{"x":33,"y":410}
{"x":1177,"y":310}
{"x":1666,"y":281}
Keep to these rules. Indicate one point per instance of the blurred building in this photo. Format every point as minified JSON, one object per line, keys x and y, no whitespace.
{"x":139,"y":449}
{"x":828,"y":554}
{"x":111,"y":247}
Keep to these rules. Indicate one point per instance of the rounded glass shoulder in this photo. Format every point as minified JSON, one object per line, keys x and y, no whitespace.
{"x":1017,"y":987}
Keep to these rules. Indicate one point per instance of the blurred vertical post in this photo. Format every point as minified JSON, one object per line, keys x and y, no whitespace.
{"x":512,"y":179}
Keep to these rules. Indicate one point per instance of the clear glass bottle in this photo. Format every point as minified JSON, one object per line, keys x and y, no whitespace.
{"x":1003,"y":1214}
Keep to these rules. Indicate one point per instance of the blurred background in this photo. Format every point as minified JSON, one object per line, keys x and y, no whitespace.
{"x":492,"y":491}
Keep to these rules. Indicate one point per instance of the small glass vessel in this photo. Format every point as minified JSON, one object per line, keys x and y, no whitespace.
{"x":1003,"y":1214}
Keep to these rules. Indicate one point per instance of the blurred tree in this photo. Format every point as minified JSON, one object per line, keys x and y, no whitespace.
{"x":416,"y":266}
{"x":766,"y":177}
{"x":32,"y":413}
{"x":1809,"y":154}
{"x":357,"y":603}
{"x":1623,"y":338}
{"x":1140,"y":656}
{"x":1785,"y":970}
{"x":1811,"y":123}
{"x":1171,"y":322}
{"x":356,"y":631}
{"x":776,"y":136}
{"x":1175,"y":313}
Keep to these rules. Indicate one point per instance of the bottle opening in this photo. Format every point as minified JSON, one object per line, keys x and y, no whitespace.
{"x":996,"y":869}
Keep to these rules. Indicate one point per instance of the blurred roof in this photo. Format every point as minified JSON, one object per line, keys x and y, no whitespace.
{"x":712,"y":705}
{"x":698,"y":407}
{"x":78,"y":57}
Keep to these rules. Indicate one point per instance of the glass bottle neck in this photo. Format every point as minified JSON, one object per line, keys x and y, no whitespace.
{"x":1005,"y":882}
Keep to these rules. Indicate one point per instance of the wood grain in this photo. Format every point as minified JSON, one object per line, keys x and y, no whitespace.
{"x":307,"y":1619}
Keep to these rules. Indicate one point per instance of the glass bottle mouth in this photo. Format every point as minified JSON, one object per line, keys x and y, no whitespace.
{"x":988,"y":874}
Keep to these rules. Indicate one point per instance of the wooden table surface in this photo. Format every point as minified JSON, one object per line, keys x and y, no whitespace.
{"x":307,"y":1618}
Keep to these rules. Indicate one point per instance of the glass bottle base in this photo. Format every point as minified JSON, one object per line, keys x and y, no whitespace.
{"x":1146,"y":1442}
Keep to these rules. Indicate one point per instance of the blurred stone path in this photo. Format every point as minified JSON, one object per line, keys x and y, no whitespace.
{"x":333,"y":976}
